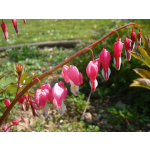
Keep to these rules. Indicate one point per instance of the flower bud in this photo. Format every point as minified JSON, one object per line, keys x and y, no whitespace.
{"x":7,"y":102}
{"x":16,"y":121}
{"x":14,"y":21}
{"x":4,"y":28}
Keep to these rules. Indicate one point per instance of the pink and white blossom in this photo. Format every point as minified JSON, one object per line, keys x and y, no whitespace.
{"x":118,"y":47}
{"x":59,"y":93}
{"x":105,"y":58}
{"x":127,"y":43}
{"x":14,"y":21}
{"x":92,"y":71}
{"x":72,"y":75}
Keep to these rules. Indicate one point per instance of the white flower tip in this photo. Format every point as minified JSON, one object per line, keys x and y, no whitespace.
{"x":62,"y":108}
{"x":45,"y":111}
{"x":74,"y":89}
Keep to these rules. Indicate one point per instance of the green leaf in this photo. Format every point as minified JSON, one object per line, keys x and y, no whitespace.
{"x":140,"y":57}
{"x":121,"y":114}
{"x":144,"y":53}
{"x":146,"y":42}
{"x":28,"y":80}
{"x":141,"y":82}
{"x":144,"y":39}
{"x":23,"y":77}
{"x":12,"y":88}
{"x":5,"y":74}
{"x":142,"y":72}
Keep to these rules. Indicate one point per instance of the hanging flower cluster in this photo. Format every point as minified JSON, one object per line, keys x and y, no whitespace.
{"x":105,"y":57}
{"x":59,"y":92}
{"x":4,"y":27}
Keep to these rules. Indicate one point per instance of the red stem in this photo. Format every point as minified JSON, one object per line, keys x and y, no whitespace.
{"x":34,"y":81}
{"x":92,"y":53}
{"x":117,"y":34}
{"x":132,"y":28}
{"x":103,"y":44}
{"x":39,"y":81}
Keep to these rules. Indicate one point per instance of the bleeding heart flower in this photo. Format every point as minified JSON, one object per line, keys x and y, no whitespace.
{"x":4,"y":28}
{"x":72,"y":75}
{"x":59,"y":93}
{"x":14,"y":21}
{"x":105,"y":58}
{"x":118,"y":46}
{"x":92,"y":71}
{"x":47,"y":89}
{"x":133,"y":39}
{"x":21,"y":101}
{"x":139,"y":38}
{"x":7,"y":102}
{"x":127,"y":42}
{"x":16,"y":121}
{"x":41,"y":96}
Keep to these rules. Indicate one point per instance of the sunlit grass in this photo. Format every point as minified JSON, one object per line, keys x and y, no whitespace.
{"x":37,"y":30}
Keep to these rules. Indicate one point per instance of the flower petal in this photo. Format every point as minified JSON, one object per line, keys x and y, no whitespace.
{"x":93,"y":84}
{"x":64,"y":73}
{"x":47,"y":89}
{"x":74,"y":89}
{"x":45,"y":111}
{"x":58,"y":95}
{"x":62,"y":109}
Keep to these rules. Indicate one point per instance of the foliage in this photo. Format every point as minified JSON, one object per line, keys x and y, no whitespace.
{"x":119,"y":114}
{"x":78,"y":103}
{"x":143,"y":56}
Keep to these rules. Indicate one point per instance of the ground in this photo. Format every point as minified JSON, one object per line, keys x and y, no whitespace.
{"x":72,"y":121}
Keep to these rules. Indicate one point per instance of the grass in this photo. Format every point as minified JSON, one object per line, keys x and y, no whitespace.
{"x":37,"y":30}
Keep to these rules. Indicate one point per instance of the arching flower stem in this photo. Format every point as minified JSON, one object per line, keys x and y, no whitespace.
{"x":117,"y":34}
{"x":103,"y":44}
{"x":92,"y":53}
{"x":39,"y":81}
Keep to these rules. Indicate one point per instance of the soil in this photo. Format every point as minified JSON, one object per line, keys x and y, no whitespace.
{"x":55,"y":122}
